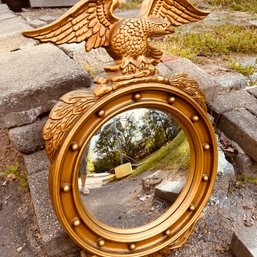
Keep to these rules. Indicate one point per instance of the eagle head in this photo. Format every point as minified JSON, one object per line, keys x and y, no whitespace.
{"x":159,"y":28}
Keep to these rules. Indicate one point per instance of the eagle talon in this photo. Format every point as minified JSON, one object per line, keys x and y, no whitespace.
{"x":129,"y":69}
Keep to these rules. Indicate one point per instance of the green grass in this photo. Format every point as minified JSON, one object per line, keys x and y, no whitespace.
{"x":243,"y":179}
{"x":216,"y":41}
{"x":21,"y":176}
{"x":236,"y":5}
{"x":173,"y":155}
{"x":246,"y":70}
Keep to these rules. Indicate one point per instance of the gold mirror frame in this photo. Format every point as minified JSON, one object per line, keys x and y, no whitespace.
{"x":171,"y":229}
{"x":132,"y":81}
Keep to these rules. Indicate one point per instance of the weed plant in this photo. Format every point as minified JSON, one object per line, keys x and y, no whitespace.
{"x":243,"y":179}
{"x":21,"y":176}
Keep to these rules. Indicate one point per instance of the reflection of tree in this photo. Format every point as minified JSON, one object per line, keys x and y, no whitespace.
{"x":159,"y":128}
{"x":133,"y":138}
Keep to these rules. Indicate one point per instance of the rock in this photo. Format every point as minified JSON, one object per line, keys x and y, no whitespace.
{"x":248,"y":223}
{"x":244,"y":163}
{"x":55,"y":241}
{"x":51,"y":3}
{"x":244,"y":243}
{"x":252,"y":109}
{"x":152,"y":180}
{"x":240,"y":126}
{"x":15,"y":42}
{"x":32,"y":80}
{"x":12,"y":26}
{"x":36,"y":23}
{"x":253,"y":79}
{"x":252,"y":91}
{"x":93,"y":61}
{"x":224,"y":167}
{"x":4,"y":8}
{"x":169,"y":190}
{"x":206,"y":82}
{"x":164,"y":70}
{"x":28,"y":139}
{"x":36,"y":162}
{"x":6,"y":15}
{"x":47,"y":19}
{"x":248,"y":61}
{"x":228,"y":102}
{"x":232,"y":81}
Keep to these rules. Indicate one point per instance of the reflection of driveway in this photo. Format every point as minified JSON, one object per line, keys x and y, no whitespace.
{"x":122,"y":203}
{"x":97,"y":180}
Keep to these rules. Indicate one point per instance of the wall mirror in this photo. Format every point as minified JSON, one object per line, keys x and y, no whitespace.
{"x":116,"y":129}
{"x":136,"y":165}
{"x":150,"y":155}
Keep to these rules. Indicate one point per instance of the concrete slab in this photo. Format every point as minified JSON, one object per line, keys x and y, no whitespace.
{"x":164,"y":70}
{"x":235,"y":99}
{"x":240,"y":126}
{"x":15,"y":42}
{"x":32,"y":80}
{"x":36,"y":162}
{"x":55,"y":241}
{"x":6,"y":15}
{"x":252,"y":91}
{"x":28,"y":139}
{"x":12,"y":26}
{"x":3,"y":8}
{"x":206,"y":82}
{"x":37,"y":23}
{"x":252,"y":109}
{"x":232,"y":81}
{"x":93,"y":61}
{"x":47,"y":18}
{"x":244,"y":243}
{"x":169,"y":190}
{"x":52,"y":3}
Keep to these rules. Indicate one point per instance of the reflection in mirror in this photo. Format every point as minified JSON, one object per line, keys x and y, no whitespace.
{"x":134,"y":168}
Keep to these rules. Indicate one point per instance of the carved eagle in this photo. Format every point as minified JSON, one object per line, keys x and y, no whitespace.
{"x":125,"y":39}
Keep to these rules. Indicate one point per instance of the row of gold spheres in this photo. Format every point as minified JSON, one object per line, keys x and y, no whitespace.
{"x":75,"y":147}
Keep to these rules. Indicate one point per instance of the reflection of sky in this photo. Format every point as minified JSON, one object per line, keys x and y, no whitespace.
{"x":136,"y":113}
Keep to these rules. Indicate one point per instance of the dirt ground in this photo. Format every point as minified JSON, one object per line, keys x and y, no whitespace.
{"x":19,"y":232}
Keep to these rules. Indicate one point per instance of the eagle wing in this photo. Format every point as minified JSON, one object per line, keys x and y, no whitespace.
{"x":177,"y":12}
{"x":88,"y":20}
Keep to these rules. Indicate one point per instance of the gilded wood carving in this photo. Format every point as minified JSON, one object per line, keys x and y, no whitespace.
{"x":63,"y":116}
{"x":126,"y":40}
{"x":129,"y":83}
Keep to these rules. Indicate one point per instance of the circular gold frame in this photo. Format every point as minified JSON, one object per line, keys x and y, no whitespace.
{"x":171,"y":229}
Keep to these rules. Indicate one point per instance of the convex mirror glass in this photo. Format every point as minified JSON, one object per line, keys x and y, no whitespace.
{"x":134,"y":168}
